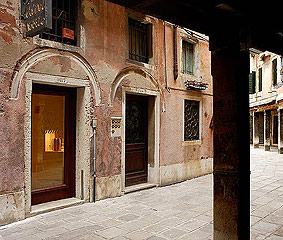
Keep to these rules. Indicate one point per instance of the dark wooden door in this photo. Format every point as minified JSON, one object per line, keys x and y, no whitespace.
{"x":136,"y":139}
{"x":53,"y":143}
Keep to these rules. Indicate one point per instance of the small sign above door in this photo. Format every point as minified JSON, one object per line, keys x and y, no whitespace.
{"x":37,"y":15}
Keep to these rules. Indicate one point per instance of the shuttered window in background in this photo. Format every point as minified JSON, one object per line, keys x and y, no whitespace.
{"x":252,"y":82}
{"x":274,"y":72}
{"x":188,"y":57}
{"x":260,"y":80}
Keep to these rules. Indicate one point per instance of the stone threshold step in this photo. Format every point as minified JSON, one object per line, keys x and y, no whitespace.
{"x":54,"y":205}
{"x":139,"y":187}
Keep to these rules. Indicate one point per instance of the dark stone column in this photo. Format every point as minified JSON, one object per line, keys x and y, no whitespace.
{"x":267,"y":138}
{"x":280,"y":131}
{"x":230,"y":70}
{"x":256,"y":129}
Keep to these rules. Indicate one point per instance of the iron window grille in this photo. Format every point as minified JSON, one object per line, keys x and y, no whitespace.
{"x":138,"y":41}
{"x":191,"y":126}
{"x":188,"y":57}
{"x":64,"y":14}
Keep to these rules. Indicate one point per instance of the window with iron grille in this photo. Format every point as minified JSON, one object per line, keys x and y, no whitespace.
{"x":63,"y":30}
{"x":188,"y":57}
{"x":191,"y":124}
{"x":138,"y":41}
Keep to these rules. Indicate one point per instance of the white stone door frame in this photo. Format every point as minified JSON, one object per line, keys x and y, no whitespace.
{"x":153,"y":172}
{"x":83,"y":133}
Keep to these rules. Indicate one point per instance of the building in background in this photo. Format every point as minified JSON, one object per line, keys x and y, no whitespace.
{"x":266,"y":101}
{"x":105,"y":102}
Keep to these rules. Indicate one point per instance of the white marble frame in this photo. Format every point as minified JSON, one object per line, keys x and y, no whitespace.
{"x":83,"y":134}
{"x":153,"y":172}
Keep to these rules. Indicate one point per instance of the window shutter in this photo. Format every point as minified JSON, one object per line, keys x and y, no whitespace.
{"x":191,"y":57}
{"x":274,"y":71}
{"x":260,"y":80}
{"x":188,"y":57}
{"x":252,"y":82}
{"x":184,"y":56}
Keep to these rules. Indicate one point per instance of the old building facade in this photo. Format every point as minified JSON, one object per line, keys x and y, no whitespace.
{"x":106,"y":102}
{"x":266,"y":100}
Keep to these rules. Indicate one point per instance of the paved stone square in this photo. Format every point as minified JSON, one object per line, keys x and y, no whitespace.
{"x":179,"y":211}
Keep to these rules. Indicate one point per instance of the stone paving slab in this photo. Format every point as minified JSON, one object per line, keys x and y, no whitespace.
{"x":180,"y":211}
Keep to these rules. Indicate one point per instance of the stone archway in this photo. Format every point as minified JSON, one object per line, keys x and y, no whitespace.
{"x":129,"y":71}
{"x":37,"y":55}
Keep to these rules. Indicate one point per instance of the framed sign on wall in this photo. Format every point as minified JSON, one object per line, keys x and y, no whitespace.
{"x":37,"y":15}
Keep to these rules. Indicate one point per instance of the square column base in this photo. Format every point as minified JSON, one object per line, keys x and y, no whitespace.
{"x":266,"y":148}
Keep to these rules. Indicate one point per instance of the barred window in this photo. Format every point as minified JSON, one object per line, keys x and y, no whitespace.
{"x":188,"y":57}
{"x":63,"y":22}
{"x":138,"y":41}
{"x":191,"y":124}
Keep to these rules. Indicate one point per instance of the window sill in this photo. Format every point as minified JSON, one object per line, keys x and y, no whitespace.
{"x":52,"y":44}
{"x":193,"y":142}
{"x":141,"y":64}
{"x":187,"y":74}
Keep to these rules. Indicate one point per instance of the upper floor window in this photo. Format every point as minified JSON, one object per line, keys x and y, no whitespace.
{"x":188,"y":57}
{"x":139,"y":38}
{"x":274,"y":72}
{"x":192,"y":120}
{"x":63,"y":30}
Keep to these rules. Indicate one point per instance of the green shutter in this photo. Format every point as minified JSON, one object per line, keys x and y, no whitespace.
{"x":188,"y":57}
{"x":260,"y":80}
{"x":252,"y":81}
{"x":191,"y":57}
{"x":274,"y":72}
{"x":184,"y":56}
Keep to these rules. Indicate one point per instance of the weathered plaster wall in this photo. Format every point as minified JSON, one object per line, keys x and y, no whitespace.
{"x":179,"y":159}
{"x":103,"y":43}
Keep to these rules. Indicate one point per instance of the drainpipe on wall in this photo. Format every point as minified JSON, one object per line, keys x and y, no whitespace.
{"x":165,"y":61}
{"x":94,"y":126}
{"x":175,"y":52}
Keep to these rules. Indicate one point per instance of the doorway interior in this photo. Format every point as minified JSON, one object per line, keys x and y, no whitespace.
{"x":145,"y":173}
{"x":53,"y":143}
{"x":136,"y":151}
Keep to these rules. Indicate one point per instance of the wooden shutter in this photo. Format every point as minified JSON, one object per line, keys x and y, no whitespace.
{"x":188,"y":57}
{"x":252,"y":82}
{"x":274,"y":72}
{"x":260,"y":80}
